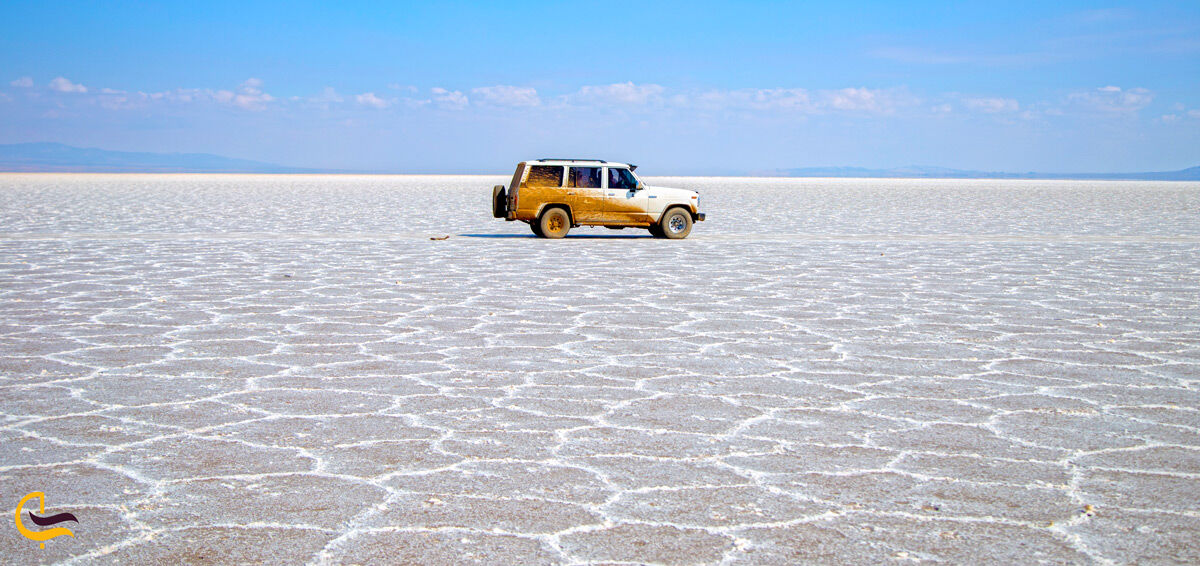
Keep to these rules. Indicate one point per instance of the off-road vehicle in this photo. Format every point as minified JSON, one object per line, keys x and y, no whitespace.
{"x":555,"y":195}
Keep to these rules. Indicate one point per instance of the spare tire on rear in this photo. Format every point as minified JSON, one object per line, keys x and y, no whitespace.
{"x":499,"y":202}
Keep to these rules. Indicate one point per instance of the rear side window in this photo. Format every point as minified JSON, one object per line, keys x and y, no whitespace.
{"x":545,"y":176}
{"x":585,"y":177}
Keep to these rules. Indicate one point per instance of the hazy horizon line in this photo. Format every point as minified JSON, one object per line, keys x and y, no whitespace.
{"x":506,"y":175}
{"x":56,"y":157}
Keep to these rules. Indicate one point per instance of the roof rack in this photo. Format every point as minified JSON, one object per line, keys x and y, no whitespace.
{"x":559,"y":159}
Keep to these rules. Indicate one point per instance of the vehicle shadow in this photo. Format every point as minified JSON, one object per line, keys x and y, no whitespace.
{"x":569,"y":236}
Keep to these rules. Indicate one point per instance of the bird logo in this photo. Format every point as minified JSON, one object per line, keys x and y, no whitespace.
{"x":42,"y":521}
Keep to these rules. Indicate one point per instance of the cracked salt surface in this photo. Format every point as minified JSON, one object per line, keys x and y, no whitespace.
{"x":285,"y":368}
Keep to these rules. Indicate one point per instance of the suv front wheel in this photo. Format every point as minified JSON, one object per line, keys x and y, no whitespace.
{"x":676,"y":224}
{"x":554,"y":223}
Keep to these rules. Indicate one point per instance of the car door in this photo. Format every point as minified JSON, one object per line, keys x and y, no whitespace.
{"x":624,"y":202}
{"x":585,"y":188}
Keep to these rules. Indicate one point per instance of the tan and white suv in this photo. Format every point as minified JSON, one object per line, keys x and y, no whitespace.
{"x":555,"y":195}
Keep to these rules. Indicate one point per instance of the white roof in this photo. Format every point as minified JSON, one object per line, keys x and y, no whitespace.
{"x":581,"y":162}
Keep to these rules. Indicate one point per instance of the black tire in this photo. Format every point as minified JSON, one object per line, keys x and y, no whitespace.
{"x":656,"y":231}
{"x":499,"y":202}
{"x":554,"y":223}
{"x":537,"y":229}
{"x":675,"y":224}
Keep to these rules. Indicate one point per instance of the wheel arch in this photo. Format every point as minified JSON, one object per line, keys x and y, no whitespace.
{"x":686,"y":208}
{"x":547,"y":206}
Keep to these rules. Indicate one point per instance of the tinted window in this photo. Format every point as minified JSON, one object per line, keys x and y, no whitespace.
{"x":621,"y":179}
{"x":585,"y":177}
{"x":545,"y":176}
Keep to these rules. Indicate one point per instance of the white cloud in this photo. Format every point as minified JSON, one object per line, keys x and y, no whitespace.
{"x":502,"y":95}
{"x":181,"y":95}
{"x":328,"y":96}
{"x":992,"y":105}
{"x":789,"y":99}
{"x":1194,"y":113}
{"x":115,"y":99}
{"x":452,"y":100}
{"x":766,"y":103}
{"x":249,"y":95}
{"x":619,"y":93}
{"x":369,"y":99}
{"x":858,"y":100}
{"x":61,"y":84}
{"x":797,"y":100}
{"x":1114,"y":99}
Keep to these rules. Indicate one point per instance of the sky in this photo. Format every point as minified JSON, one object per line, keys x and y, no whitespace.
{"x":676,"y":87}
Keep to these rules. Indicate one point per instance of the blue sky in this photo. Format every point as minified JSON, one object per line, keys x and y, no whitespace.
{"x":687,"y":87}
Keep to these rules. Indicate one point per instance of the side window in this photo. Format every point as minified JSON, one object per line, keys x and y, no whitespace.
{"x":585,"y":177}
{"x":620,"y":179}
{"x":544,"y":176}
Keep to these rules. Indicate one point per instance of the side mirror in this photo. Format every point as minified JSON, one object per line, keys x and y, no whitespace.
{"x":640,"y":186}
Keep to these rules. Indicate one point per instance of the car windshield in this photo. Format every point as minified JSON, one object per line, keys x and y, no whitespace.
{"x":621,"y":179}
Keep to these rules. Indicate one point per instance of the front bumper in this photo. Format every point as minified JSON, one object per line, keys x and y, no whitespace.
{"x":699,"y":217}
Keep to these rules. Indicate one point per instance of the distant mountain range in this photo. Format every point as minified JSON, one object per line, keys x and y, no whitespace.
{"x":57,"y":157}
{"x":919,"y":172}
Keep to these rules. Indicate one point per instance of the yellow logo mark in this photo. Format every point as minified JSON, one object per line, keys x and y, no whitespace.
{"x":42,"y":536}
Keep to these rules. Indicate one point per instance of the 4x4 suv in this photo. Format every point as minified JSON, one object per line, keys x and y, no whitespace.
{"x":554,"y":195}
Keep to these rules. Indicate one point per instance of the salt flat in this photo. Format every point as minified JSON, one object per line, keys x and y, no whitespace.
{"x":286,"y":368}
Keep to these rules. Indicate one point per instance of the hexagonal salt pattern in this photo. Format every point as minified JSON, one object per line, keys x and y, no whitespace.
{"x":287,"y":368}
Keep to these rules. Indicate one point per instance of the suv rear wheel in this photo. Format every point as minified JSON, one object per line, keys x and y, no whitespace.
{"x":499,"y":202}
{"x":676,"y":224}
{"x":554,"y":223}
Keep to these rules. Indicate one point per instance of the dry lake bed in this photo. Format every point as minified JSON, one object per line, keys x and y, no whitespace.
{"x":230,"y":369}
